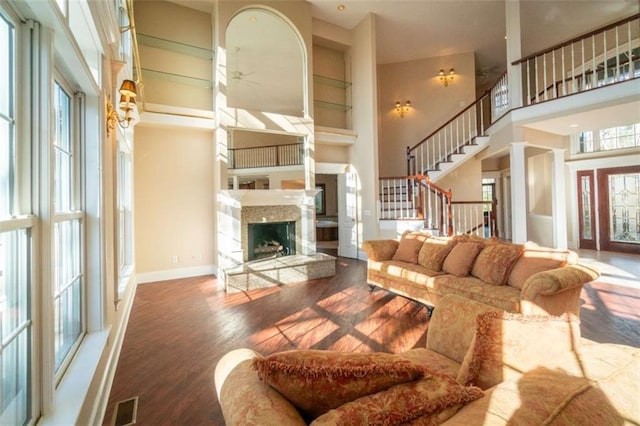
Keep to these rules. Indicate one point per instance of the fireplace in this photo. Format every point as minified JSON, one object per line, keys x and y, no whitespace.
{"x":271,"y":239}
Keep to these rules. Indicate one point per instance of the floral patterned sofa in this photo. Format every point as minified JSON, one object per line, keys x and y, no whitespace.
{"x":481,"y":365}
{"x":519,"y":278}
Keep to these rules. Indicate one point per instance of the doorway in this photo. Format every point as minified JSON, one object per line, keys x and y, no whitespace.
{"x":327,"y":237}
{"x":619,"y":207}
{"x":336,"y":228}
{"x":609,"y":209}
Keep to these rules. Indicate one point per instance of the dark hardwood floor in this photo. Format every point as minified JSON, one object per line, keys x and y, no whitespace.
{"x":179,"y":329}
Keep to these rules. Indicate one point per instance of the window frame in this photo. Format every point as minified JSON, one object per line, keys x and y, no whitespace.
{"x":19,"y":217}
{"x":74,"y":213}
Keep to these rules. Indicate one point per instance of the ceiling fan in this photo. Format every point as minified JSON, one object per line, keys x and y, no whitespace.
{"x":488,"y":74}
{"x":236,"y":74}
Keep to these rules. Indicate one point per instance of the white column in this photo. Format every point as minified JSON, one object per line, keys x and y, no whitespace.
{"x":514,"y":51}
{"x":518,"y":192}
{"x":559,"y":200}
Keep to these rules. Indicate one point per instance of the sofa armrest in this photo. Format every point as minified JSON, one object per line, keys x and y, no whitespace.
{"x":557,"y":280}
{"x":380,"y":250}
{"x":245,"y":399}
{"x":556,"y":291}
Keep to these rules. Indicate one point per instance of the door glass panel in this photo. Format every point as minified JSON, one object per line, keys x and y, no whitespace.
{"x":624,"y":203}
{"x":585,"y":216}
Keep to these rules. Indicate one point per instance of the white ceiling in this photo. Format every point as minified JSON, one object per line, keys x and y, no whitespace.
{"x":412,"y":29}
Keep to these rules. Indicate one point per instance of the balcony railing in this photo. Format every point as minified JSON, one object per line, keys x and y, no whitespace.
{"x":599,"y":58}
{"x":266,"y":156}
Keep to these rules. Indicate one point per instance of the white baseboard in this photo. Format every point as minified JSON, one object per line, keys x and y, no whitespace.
{"x":173,"y":274}
{"x":98,"y":415}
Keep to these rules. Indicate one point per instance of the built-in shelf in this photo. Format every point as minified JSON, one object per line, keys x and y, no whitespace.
{"x":331,"y":105}
{"x":175,"y":46}
{"x":331,"y":81}
{"x":177,"y":78}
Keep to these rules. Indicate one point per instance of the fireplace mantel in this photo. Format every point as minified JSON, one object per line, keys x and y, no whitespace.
{"x":270,"y":197}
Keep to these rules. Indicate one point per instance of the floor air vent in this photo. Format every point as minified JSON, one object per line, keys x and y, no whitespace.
{"x":124,"y":413}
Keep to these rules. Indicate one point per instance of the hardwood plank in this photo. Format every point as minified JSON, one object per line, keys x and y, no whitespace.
{"x":179,"y":329}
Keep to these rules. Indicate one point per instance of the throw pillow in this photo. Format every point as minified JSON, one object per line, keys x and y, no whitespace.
{"x":409,"y":246}
{"x":461,"y":257}
{"x":430,"y":400}
{"x":537,"y":260}
{"x":495,"y":261}
{"x":433,"y":253}
{"x":316,"y":381}
{"x":506,"y":344}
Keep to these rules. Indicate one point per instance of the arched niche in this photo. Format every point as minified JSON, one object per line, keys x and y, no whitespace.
{"x":265,"y":64}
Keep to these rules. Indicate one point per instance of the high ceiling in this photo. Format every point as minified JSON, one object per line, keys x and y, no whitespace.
{"x":412,"y":29}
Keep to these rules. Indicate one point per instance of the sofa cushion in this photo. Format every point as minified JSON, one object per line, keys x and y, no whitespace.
{"x":535,"y":260}
{"x":495,"y":261}
{"x":437,"y":396}
{"x":433,"y":252}
{"x":544,"y":396}
{"x":409,"y":247}
{"x":316,"y":381}
{"x":460,"y":259}
{"x":505,"y":345}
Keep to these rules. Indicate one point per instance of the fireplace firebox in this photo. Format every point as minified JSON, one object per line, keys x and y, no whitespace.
{"x":271,"y":239}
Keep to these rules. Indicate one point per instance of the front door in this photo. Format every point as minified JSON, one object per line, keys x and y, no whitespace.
{"x":619,"y":207}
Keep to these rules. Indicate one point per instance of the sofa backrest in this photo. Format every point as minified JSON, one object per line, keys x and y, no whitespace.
{"x":453,"y":324}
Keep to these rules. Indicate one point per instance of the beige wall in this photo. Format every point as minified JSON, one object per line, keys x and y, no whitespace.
{"x":332,"y":154}
{"x":174,"y":198}
{"x":539,"y":183}
{"x":247,"y":138}
{"x":432,"y":104}
{"x":465,"y":182}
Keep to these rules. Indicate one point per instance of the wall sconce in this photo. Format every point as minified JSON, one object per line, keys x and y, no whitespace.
{"x":403,"y":109}
{"x":446,"y":78}
{"x":128,"y":93}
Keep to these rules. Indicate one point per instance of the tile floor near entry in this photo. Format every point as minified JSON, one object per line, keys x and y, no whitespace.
{"x":616,"y":268}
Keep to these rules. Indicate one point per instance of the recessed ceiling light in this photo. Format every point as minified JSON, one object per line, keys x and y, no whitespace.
{"x":253,"y":19}
{"x":341,"y":7}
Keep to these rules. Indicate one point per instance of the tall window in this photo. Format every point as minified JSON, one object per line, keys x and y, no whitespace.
{"x":125,"y":211}
{"x":67,"y":232}
{"x":609,"y":139}
{"x":16,"y":328}
{"x":488,"y":192}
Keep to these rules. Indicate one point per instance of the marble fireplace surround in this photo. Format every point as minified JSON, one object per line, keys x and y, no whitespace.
{"x":240,"y":207}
